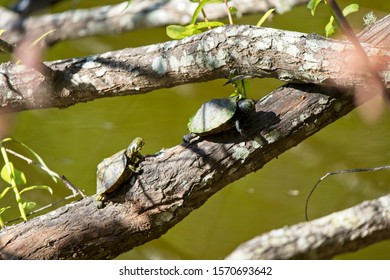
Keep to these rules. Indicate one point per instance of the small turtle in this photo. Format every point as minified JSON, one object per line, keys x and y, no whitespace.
{"x":219,"y":115}
{"x":118,"y":168}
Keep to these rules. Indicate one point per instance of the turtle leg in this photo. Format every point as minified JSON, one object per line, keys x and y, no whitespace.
{"x":133,"y":168}
{"x":238,"y":127}
{"x":138,"y":157}
{"x":100,"y":201}
{"x":188,"y":138}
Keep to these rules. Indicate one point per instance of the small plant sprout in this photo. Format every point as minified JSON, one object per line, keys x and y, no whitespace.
{"x":339,"y":15}
{"x":330,"y":26}
{"x":179,"y":32}
{"x":241,"y":85}
{"x":16,"y":179}
{"x":264,"y":17}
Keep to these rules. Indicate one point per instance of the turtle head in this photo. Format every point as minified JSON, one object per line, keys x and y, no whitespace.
{"x":246,"y":105}
{"x":135,"y":146}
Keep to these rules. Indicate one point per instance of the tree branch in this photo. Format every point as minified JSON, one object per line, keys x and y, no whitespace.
{"x":176,"y":181}
{"x":324,"y":238}
{"x":218,"y":53}
{"x":115,"y":19}
{"x":334,"y":234}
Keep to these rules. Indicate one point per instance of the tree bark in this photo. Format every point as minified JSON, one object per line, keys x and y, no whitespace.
{"x":324,"y":238}
{"x":219,"y":53}
{"x":178,"y":180}
{"x":116,"y":19}
{"x":175,"y":181}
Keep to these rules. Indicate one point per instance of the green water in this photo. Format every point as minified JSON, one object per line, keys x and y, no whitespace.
{"x":74,"y":140}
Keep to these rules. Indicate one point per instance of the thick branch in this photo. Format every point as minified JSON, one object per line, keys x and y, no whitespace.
{"x":115,"y":19}
{"x":334,"y":234}
{"x":219,"y":53}
{"x":324,"y":238}
{"x":175,"y":181}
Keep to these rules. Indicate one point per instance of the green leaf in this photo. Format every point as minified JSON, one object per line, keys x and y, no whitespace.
{"x":329,"y":28}
{"x":179,"y":32}
{"x":203,"y":25}
{"x":2,"y":31}
{"x":232,"y":10}
{"x":4,"y":192}
{"x":352,"y":8}
{"x":19,"y":177}
{"x":52,"y":174}
{"x":264,"y":17}
{"x":312,"y":6}
{"x":28,"y":205}
{"x":50,"y":190}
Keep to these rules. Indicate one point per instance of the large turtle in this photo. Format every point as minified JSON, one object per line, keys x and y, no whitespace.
{"x":219,"y":115}
{"x":118,"y":168}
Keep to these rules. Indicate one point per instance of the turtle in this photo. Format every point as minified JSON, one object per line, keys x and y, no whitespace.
{"x":118,"y":168}
{"x":219,"y":115}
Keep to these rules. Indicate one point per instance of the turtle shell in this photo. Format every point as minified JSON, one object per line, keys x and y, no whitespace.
{"x":214,"y":116}
{"x":112,"y":172}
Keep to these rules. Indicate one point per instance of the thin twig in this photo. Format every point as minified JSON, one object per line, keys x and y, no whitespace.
{"x":228,"y":12}
{"x":37,"y":65}
{"x":72,"y":187}
{"x":43,"y":208}
{"x":340,"y":172}
{"x":6,"y":47}
{"x":67,"y":183}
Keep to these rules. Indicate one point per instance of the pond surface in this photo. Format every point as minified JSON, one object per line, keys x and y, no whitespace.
{"x":74,"y":140}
